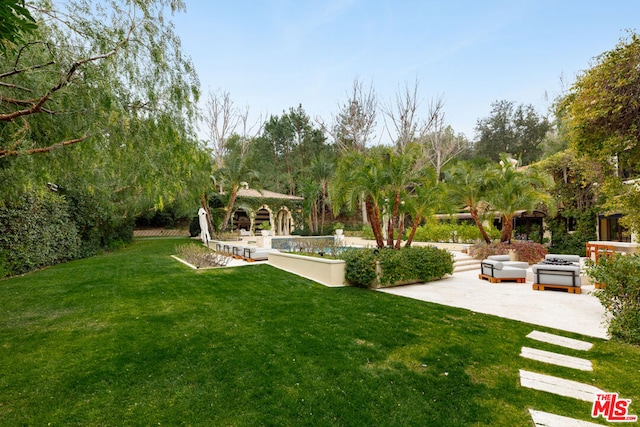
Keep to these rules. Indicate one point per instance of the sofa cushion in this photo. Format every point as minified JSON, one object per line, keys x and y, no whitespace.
{"x":499,"y":257}
{"x":497,"y":265}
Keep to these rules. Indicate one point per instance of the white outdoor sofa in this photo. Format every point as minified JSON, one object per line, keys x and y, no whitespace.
{"x":499,"y":268}
{"x":558,"y":272}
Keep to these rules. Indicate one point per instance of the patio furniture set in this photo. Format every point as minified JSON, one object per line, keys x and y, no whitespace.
{"x":554,"y":272}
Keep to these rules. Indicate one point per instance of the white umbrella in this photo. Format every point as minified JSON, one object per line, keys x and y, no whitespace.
{"x":204,"y":226}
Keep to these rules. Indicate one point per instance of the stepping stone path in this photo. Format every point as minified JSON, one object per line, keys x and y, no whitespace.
{"x":557,"y":385}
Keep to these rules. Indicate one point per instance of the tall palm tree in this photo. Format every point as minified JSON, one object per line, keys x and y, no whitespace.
{"x":401,"y":174}
{"x":513,"y":190}
{"x":229,"y":177}
{"x":361,"y":176}
{"x":467,"y":187}
{"x":427,"y":198}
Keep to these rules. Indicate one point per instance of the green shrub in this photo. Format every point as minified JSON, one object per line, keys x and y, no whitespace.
{"x":98,"y":226}
{"x":621,"y":295}
{"x":35,"y":231}
{"x":408,"y":264}
{"x":564,"y":242}
{"x":530,"y":252}
{"x":360,"y":268}
{"x":446,"y":232}
{"x":414,"y":263}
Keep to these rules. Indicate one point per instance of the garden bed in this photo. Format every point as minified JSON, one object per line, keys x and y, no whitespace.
{"x":329,"y":272}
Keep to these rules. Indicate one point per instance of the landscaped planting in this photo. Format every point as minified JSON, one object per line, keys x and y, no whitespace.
{"x":396,"y":266}
{"x":454,"y":233}
{"x":135,"y":338}
{"x":620,"y":295}
{"x":530,"y":252}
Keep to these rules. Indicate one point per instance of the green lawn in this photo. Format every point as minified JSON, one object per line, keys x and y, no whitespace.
{"x":136,"y":338}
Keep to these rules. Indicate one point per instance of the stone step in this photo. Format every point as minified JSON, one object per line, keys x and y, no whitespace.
{"x":560,"y":340}
{"x":556,"y":359}
{"x":559,"y":386}
{"x":466,"y":268}
{"x":464,"y":262}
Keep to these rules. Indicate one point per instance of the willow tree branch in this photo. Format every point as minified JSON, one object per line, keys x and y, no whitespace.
{"x":8,"y":153}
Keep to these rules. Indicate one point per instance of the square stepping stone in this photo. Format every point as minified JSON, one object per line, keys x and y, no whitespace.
{"x":545,"y":419}
{"x":560,"y":340}
{"x":557,"y":359}
{"x":558,"y":386}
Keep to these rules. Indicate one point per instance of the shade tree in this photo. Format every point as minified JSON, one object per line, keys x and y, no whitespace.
{"x":517,"y":131}
{"x":97,"y":104}
{"x":602,"y":114}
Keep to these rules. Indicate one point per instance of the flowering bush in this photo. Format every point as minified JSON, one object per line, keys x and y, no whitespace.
{"x":530,"y":252}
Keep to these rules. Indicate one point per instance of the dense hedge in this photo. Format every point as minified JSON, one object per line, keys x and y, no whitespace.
{"x":35,"y":231}
{"x":38,"y":230}
{"x":443,"y":232}
{"x":455,"y":233}
{"x":408,"y":264}
{"x":621,"y":295}
{"x":98,"y":226}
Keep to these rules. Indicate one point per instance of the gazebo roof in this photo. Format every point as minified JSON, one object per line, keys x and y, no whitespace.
{"x":266,"y":194}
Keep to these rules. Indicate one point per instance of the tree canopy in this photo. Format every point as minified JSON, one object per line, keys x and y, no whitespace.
{"x":602,"y":113}
{"x":603,"y":106}
{"x":15,"y":23}
{"x":100,"y":98}
{"x":514,"y":130}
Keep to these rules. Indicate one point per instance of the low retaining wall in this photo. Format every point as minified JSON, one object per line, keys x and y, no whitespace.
{"x":329,"y":272}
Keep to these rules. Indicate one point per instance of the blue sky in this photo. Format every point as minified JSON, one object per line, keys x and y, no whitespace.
{"x":271,"y":55}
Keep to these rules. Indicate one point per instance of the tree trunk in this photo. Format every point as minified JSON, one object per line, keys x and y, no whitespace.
{"x":232,"y":202}
{"x":485,"y":236}
{"x":393,"y":221}
{"x":310,"y":224}
{"x":323,"y":207}
{"x":507,"y":229}
{"x":376,"y":225}
{"x":400,"y":231}
{"x":365,"y":219}
{"x":414,"y":227}
{"x":315,"y":217}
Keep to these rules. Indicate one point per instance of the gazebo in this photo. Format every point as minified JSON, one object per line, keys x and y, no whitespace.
{"x":255,"y":207}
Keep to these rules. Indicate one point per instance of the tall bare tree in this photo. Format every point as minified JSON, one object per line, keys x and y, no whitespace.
{"x":222,"y":119}
{"x":402,"y":117}
{"x":354,"y":125}
{"x":442,"y":145}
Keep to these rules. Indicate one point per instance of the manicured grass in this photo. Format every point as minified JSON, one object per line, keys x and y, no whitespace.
{"x":136,"y":338}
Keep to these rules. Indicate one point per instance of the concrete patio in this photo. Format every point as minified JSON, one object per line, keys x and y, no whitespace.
{"x":579,"y":313}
